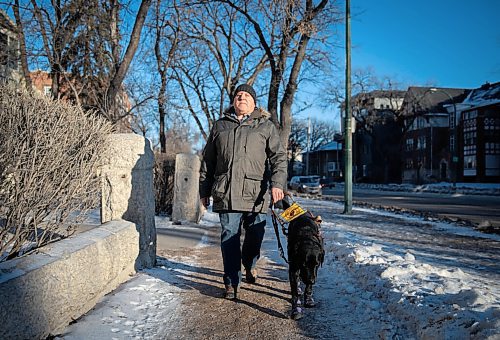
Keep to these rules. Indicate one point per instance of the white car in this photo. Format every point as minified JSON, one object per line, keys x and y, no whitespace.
{"x":305,"y":184}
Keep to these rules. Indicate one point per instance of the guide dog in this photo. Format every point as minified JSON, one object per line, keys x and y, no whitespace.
{"x":306,"y":254}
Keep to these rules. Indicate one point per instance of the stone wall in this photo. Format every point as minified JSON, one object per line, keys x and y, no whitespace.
{"x":128,"y":192}
{"x":186,"y":205}
{"x":42,"y":293}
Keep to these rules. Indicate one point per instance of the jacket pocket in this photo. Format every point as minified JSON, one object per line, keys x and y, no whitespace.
{"x":219,"y":188}
{"x":252,"y":187}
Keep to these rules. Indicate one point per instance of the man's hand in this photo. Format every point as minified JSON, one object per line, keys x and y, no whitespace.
{"x":205,"y":201}
{"x":277,"y":194}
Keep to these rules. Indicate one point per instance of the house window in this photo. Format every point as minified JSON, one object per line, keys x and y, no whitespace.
{"x":470,"y":125}
{"x":470,"y":114}
{"x":470,"y":162}
{"x":452,"y":120}
{"x":409,"y":163}
{"x":470,"y":138}
{"x":470,"y":150}
{"x":492,"y":148}
{"x":491,"y":124}
{"x":421,"y":143}
{"x":409,"y":144}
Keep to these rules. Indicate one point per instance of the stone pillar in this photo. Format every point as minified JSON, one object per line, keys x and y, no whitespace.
{"x":186,"y":205}
{"x":128,"y":192}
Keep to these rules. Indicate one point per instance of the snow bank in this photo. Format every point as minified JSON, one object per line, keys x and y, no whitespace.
{"x":432,"y":301}
{"x":488,"y":189}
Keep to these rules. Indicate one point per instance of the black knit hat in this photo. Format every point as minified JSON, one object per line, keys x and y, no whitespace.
{"x":246,"y":88}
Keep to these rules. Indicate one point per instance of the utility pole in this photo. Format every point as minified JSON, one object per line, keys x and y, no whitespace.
{"x":308,"y":144}
{"x":347,"y":124}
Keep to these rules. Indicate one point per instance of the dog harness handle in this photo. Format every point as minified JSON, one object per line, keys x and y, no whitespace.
{"x":275,"y":224}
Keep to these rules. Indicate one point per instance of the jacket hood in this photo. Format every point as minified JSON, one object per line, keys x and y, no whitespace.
{"x":259,"y":112}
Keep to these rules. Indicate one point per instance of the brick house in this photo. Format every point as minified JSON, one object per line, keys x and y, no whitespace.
{"x":480,"y":135}
{"x":429,"y":148}
{"x":41,"y":82}
{"x":326,"y":161}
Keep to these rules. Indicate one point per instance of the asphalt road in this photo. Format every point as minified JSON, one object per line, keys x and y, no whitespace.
{"x":479,"y":210}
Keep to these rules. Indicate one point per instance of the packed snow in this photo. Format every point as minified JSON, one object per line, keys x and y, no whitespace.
{"x":424,"y":279}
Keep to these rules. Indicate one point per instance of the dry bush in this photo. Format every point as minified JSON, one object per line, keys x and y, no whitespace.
{"x":49,"y":153}
{"x":164,"y":173}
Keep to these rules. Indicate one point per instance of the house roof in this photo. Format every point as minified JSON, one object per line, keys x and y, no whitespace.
{"x":424,"y":99}
{"x":382,"y":94}
{"x":5,"y":22}
{"x":330,"y":147}
{"x":487,"y":94}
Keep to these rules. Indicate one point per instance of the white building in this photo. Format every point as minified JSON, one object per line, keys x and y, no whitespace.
{"x":9,"y":50}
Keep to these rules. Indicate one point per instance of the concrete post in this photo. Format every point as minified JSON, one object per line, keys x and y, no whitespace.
{"x":128,"y":192}
{"x":186,"y":205}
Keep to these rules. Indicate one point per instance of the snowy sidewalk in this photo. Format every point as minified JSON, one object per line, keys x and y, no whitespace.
{"x":385,"y":275}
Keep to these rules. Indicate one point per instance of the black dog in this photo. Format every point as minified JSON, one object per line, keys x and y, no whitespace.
{"x":305,"y":255}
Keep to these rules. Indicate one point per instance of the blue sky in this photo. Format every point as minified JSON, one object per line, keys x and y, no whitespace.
{"x":446,"y":43}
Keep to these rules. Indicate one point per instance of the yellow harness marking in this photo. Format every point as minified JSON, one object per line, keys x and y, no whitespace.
{"x":292,"y":212}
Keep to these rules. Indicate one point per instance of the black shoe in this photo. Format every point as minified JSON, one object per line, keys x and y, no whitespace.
{"x":309,"y":301}
{"x":231,"y":292}
{"x":251,"y":275}
{"x":297,"y":313}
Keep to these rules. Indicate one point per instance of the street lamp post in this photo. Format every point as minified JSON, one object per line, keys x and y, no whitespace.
{"x":308,"y":144}
{"x":454,"y":152}
{"x":347,"y":124}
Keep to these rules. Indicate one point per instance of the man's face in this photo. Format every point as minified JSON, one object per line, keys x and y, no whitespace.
{"x":243,"y":103}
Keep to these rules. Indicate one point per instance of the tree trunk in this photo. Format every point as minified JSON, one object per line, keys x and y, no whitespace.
{"x":161,"y":111}
{"x":22,"y":46}
{"x":122,"y":67}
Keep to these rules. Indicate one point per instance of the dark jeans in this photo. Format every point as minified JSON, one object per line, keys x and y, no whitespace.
{"x":232,"y":254}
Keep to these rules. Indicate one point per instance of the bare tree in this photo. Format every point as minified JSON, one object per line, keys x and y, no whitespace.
{"x":365,"y":87}
{"x":83,"y":43}
{"x":22,"y":45}
{"x":59,"y":24}
{"x":121,"y":65}
{"x":223,"y":55}
{"x":167,"y":34}
{"x":320,"y":133}
{"x":285,"y":37}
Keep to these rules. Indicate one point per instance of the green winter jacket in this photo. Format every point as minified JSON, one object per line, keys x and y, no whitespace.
{"x":239,"y":162}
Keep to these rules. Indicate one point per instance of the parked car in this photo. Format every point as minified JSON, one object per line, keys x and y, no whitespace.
{"x":305,"y":184}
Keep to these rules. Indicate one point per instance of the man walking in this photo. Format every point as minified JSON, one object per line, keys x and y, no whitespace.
{"x":242,"y":157}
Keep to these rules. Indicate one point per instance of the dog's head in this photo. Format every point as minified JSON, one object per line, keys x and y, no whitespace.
{"x":312,"y":261}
